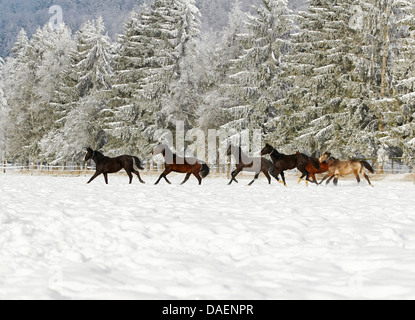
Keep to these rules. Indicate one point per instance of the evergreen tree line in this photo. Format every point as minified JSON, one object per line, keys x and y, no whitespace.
{"x":339,"y":77}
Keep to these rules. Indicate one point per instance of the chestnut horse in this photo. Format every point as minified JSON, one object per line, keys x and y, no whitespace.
{"x":311,"y":169}
{"x":178,"y":164}
{"x":283,"y":162}
{"x":342,"y":168}
{"x":106,"y":165}
{"x":244,"y":163}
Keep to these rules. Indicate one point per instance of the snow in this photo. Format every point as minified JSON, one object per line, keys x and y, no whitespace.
{"x":63,"y":239}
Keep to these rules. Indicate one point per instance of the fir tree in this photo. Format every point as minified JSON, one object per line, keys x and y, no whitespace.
{"x":257,"y":71}
{"x":19,"y":92}
{"x":81,"y":95}
{"x":3,"y":115}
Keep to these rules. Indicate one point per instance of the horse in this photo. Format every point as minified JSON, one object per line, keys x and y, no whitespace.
{"x":178,"y":164}
{"x":311,"y":169}
{"x":244,"y":163}
{"x":283,"y":162}
{"x":106,"y":165}
{"x":341,"y":168}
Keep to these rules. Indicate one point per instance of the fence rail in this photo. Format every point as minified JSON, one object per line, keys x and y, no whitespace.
{"x":149,"y":166}
{"x":393,"y":166}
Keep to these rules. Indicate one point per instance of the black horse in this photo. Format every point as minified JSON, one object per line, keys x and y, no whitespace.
{"x":245,"y":163}
{"x":106,"y":165}
{"x":283,"y":162}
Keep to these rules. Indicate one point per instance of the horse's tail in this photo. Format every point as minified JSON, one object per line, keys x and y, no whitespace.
{"x":204,"y":172}
{"x":137,"y":164}
{"x":367,"y":166}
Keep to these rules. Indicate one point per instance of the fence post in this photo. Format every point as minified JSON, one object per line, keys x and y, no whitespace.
{"x":4,"y":166}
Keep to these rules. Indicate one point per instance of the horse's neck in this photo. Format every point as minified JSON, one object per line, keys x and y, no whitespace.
{"x":168,"y":153}
{"x":241,"y":156}
{"x":98,"y":157}
{"x":275,"y":154}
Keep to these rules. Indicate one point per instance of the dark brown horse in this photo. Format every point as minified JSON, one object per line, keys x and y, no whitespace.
{"x":283,"y":162}
{"x":106,"y":165}
{"x":178,"y":164}
{"x":245,"y":163}
{"x":339,"y":168}
{"x":311,"y":169}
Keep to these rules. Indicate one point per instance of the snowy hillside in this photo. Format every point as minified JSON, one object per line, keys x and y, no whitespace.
{"x":63,"y":239}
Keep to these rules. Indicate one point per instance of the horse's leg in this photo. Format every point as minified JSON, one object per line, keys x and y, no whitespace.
{"x":305,"y":175}
{"x":325,"y":178}
{"x":166,"y":173}
{"x":130,"y":175}
{"x":256,"y":178}
{"x":356,"y":174}
{"x":283,"y":178}
{"x":276,"y":177}
{"x":106,"y":177}
{"x":368,"y":180}
{"x":94,"y":177}
{"x":313,"y":176}
{"x":234,"y":175}
{"x":331,"y":178}
{"x":196,"y":174}
{"x":187,"y":178}
{"x":138,"y":175}
{"x":268,"y":176}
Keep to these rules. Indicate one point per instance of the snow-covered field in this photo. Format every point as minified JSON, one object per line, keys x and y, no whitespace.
{"x":63,"y":239}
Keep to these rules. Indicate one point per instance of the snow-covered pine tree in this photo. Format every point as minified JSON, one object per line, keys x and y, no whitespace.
{"x":257,"y":71}
{"x":217,"y":108}
{"x":3,"y":116}
{"x":19,"y":91}
{"x":382,"y":35}
{"x":401,"y":134}
{"x":181,"y":101}
{"x":326,"y":88}
{"x":48,"y":53}
{"x":82,"y":95}
{"x":151,"y":79}
{"x":128,"y":121}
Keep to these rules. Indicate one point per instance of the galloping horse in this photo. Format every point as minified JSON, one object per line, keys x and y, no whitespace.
{"x":257,"y":165}
{"x":106,"y":165}
{"x":324,"y":167}
{"x":341,"y":168}
{"x":283,"y":162}
{"x":178,"y":164}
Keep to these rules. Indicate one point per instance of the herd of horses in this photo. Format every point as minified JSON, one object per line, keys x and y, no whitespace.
{"x":308,"y":166}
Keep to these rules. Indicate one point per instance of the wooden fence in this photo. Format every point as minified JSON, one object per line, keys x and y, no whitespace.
{"x":88,"y":167}
{"x":393,"y":166}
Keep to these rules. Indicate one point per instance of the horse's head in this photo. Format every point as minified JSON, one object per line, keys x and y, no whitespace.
{"x":89,"y":154}
{"x":159,"y":149}
{"x":325,"y":157}
{"x":267,"y":150}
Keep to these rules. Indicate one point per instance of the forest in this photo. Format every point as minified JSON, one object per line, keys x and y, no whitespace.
{"x":336,"y":76}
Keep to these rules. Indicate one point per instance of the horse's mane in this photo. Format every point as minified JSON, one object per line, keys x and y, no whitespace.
{"x":99,"y":155}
